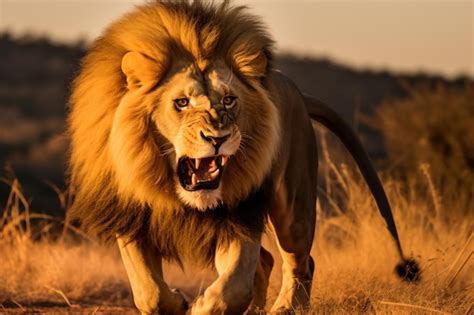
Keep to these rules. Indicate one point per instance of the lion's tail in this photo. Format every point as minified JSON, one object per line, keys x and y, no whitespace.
{"x":407,"y":269}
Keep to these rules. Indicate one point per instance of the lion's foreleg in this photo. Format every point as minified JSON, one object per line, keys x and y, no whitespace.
{"x":231,"y":292}
{"x":262,"y":277}
{"x":294,"y":226}
{"x":150,"y":292}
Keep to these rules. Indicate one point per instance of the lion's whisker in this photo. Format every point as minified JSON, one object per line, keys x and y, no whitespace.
{"x":243,"y":146}
{"x":247,"y":137}
{"x":167,"y":152}
{"x":166,"y":146}
{"x":166,"y":149}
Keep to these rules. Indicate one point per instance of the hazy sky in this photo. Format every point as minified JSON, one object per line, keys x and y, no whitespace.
{"x":401,"y":35}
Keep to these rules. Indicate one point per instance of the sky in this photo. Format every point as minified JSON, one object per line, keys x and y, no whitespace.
{"x":436,"y":37}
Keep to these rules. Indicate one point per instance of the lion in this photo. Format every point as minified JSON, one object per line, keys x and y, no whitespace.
{"x":187,"y":143}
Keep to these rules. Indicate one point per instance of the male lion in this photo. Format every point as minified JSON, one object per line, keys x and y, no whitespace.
{"x":185,"y":142}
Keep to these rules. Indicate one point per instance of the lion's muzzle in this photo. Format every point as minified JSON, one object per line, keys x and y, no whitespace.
{"x":201,"y":173}
{"x":215,"y":141}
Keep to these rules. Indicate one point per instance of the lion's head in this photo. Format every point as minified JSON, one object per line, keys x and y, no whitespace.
{"x":170,"y":110}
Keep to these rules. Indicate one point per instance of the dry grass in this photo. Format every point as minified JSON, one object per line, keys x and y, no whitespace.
{"x":356,"y":256}
{"x":42,"y":266}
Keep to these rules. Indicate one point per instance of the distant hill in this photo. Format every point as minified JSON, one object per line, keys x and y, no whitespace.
{"x":346,"y":89}
{"x":35,"y":75}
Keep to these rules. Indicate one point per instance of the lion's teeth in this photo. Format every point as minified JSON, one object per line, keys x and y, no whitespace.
{"x":194,"y":180}
{"x":197,"y":162}
{"x":224,"y":160}
{"x":215,"y":174}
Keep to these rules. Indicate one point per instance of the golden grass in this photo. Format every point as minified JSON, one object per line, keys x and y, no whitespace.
{"x":38,"y":266}
{"x":45,"y":262}
{"x":354,"y":257}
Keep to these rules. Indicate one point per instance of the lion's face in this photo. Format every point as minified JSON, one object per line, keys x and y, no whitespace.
{"x":200,"y":133}
{"x":198,"y":113}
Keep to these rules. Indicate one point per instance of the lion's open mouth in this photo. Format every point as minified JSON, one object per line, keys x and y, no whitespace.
{"x":203,"y":173}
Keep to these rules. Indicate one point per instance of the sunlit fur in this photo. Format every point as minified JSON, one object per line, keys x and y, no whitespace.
{"x":127,"y":135}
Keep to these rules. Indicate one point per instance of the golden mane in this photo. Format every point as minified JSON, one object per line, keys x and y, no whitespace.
{"x":161,"y":31}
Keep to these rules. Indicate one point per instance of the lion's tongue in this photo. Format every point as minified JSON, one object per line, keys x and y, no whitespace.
{"x":206,"y":167}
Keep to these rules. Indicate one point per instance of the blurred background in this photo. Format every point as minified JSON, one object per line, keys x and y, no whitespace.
{"x":375,"y":62}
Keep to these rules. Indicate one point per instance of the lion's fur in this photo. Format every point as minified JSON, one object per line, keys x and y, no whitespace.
{"x":119,"y":167}
{"x":130,"y":137}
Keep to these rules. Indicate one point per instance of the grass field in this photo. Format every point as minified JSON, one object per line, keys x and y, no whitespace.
{"x":46,"y":265}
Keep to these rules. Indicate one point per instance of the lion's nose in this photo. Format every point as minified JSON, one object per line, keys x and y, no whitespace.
{"x":215,"y":141}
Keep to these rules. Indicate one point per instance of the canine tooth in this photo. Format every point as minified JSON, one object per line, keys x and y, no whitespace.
{"x":194,"y":179}
{"x":215,"y":174}
{"x":224,"y":160}
{"x":197,"y":163}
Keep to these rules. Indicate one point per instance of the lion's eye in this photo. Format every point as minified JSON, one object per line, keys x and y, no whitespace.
{"x":229,"y":101}
{"x":181,"y":103}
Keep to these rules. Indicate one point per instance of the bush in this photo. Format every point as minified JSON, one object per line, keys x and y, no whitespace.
{"x":431,"y":128}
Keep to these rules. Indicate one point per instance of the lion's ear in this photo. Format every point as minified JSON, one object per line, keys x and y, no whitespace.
{"x":251,"y":65}
{"x":140,"y":70}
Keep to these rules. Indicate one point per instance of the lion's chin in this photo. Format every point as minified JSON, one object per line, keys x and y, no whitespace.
{"x":201,"y":200}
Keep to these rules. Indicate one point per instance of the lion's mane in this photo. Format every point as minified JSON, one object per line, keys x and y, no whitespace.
{"x":203,"y":32}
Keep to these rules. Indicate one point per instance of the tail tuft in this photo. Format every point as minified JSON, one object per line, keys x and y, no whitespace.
{"x":408,"y":270}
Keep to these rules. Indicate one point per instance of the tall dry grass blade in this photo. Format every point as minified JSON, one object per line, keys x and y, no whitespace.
{"x":60,"y":293}
{"x":60,"y":194}
{"x":429,"y":309}
{"x":11,"y":195}
{"x":15,"y":223}
{"x":331,"y":201}
{"x":66,"y":227}
{"x":64,"y":203}
{"x":17,"y":203}
{"x":451,"y":281}
{"x":339,"y":176}
{"x":17,"y":304}
{"x":458,"y":257}
{"x":17,"y":193}
{"x":425,"y":169}
{"x":325,"y":152}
